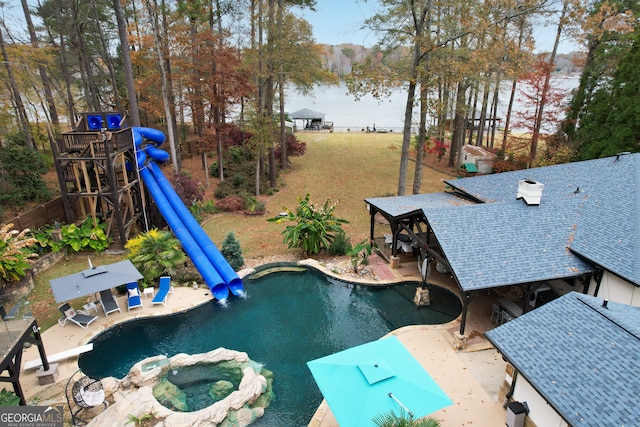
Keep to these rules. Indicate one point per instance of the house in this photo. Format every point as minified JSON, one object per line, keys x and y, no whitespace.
{"x":568,"y":227}
{"x":575,"y":361}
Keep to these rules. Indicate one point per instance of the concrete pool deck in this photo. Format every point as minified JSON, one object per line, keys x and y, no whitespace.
{"x":471,"y":378}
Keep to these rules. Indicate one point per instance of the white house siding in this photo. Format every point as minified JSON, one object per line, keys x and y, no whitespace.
{"x":540,"y":413}
{"x":614,"y":288}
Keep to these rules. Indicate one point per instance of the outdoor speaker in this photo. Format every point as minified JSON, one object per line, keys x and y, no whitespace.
{"x":94,"y":121}
{"x":113,"y":121}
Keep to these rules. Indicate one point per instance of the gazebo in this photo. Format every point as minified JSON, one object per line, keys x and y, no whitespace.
{"x":313,"y":120}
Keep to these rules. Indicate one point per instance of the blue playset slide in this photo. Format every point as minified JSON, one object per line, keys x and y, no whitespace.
{"x":219,"y":276}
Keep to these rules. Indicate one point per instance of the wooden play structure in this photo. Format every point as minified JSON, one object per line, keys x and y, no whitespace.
{"x":97,"y":176}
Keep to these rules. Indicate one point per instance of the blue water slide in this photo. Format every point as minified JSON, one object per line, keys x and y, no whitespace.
{"x":218,"y":287}
{"x":194,"y":240}
{"x":227,"y":273}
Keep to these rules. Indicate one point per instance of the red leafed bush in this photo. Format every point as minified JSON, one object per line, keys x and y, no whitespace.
{"x":230,"y":204}
{"x":295,"y":147}
{"x":189,"y":190}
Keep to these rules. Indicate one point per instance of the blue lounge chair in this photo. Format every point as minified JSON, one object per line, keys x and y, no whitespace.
{"x":133,"y":296}
{"x":164,"y":289}
{"x":80,"y":319}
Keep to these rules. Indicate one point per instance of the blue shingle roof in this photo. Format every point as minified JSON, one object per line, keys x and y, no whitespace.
{"x":499,"y":244}
{"x":608,"y":232}
{"x":587,"y":208}
{"x":403,"y":205}
{"x":594,"y":202}
{"x":582,"y":358}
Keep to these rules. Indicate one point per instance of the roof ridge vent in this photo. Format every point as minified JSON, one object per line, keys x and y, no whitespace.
{"x":530,"y":191}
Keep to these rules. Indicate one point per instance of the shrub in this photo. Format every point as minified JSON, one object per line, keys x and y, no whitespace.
{"x":189,"y":190}
{"x":230,"y":204}
{"x":155,"y":253}
{"x":340,"y":245}
{"x":295,"y":147}
{"x":254,"y":205}
{"x":14,"y":253}
{"x":85,"y":236}
{"x":315,"y":226}
{"x":198,"y":210}
{"x":232,"y":252}
{"x":359,"y":255}
{"x":21,"y":172}
{"x":8,"y":398}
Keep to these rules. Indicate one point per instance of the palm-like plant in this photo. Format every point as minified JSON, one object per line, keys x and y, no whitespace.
{"x":315,"y":225}
{"x":391,"y":419}
{"x":15,"y":251}
{"x":155,"y":253}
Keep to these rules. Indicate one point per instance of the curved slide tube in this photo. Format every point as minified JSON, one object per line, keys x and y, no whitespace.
{"x":215,"y":269}
{"x":227,"y":273}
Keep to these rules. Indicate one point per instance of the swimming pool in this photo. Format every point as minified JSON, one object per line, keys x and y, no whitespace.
{"x":288,"y":318}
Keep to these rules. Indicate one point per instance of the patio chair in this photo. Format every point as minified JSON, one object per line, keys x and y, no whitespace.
{"x":86,"y":392}
{"x":69,"y":314}
{"x":496,"y":314}
{"x":505,"y":317}
{"x":108,"y":302}
{"x":133,"y":296}
{"x":164,"y":289}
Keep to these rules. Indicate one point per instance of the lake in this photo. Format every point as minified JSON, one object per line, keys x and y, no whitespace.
{"x":348,"y":114}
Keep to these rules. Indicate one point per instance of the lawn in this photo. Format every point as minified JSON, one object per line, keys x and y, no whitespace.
{"x":342,"y":167}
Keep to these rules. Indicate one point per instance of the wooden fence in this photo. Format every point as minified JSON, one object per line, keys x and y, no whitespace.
{"x":46,"y":213}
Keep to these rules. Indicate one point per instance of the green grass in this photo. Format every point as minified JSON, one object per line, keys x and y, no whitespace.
{"x":337,"y":166}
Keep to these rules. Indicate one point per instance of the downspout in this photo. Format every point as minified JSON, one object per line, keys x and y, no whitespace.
{"x":512,"y":388}
{"x":598,"y":275}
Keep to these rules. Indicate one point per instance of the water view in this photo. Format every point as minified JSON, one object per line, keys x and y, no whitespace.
{"x":348,"y":114}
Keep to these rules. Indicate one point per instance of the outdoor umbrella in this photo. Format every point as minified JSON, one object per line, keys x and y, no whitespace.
{"x":94,"y":280}
{"x":374,"y":378}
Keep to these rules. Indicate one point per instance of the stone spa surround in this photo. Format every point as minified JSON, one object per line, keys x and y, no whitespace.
{"x":134,"y":401}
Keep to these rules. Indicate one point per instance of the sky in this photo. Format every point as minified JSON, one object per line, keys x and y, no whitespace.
{"x":339,"y":21}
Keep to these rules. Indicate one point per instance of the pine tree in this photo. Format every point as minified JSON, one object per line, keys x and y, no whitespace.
{"x":232,"y":251}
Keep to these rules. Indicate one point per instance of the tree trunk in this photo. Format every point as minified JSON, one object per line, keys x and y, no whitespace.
{"x":164,"y":83}
{"x":281,"y":82}
{"x":134,"y":112}
{"x":86,"y":69}
{"x":418,"y":28}
{"x":422,"y":136}
{"x":46,"y":83}
{"x":109,"y":62}
{"x":545,"y":90}
{"x":459,"y":126}
{"x":269,"y":90}
{"x":170,"y":92}
{"x":483,"y":113}
{"x":197,"y":105}
{"x":17,"y":99}
{"x":494,"y":111}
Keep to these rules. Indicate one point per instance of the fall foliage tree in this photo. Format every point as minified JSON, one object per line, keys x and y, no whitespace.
{"x":542,"y":108}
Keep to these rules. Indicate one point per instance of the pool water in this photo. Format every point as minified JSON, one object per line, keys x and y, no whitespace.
{"x":196,"y":384}
{"x":287,"y":319}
